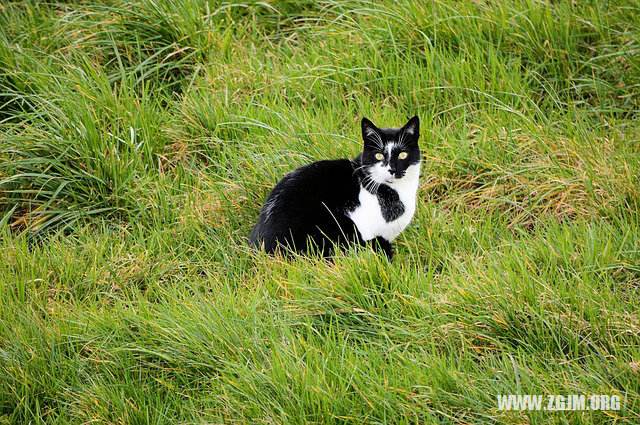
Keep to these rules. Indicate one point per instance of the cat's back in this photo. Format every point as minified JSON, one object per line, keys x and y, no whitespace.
{"x":305,"y":198}
{"x":327,"y":179}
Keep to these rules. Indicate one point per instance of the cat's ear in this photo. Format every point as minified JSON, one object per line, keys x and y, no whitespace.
{"x":411,"y":130}
{"x":370,"y":134}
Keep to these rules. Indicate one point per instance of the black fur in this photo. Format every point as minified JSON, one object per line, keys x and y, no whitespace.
{"x":308,"y":208}
{"x":390,"y":203}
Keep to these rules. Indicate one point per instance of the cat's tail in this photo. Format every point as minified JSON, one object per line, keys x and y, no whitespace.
{"x":254,"y":237}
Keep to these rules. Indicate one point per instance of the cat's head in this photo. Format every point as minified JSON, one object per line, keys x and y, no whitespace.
{"x":389,"y":152}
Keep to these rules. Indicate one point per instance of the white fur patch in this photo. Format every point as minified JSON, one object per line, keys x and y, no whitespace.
{"x":379,"y":173}
{"x":368,"y":215}
{"x":390,"y":147}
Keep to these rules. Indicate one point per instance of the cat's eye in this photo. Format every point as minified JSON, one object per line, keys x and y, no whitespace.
{"x":379,"y":156}
{"x":403,"y":155}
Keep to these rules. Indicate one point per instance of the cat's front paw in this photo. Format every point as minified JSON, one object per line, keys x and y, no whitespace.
{"x":381,"y":244}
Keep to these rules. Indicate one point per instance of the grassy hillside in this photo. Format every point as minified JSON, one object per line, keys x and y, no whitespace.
{"x":139,"y":138}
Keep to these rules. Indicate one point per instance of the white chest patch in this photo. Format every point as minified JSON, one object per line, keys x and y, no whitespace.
{"x":368,"y":216}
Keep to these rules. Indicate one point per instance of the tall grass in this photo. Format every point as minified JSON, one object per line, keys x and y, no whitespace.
{"x":138,"y":140}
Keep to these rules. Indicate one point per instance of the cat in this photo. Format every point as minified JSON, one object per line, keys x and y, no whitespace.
{"x":367,"y":200}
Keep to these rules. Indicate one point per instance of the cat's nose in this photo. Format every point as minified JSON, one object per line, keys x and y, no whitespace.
{"x":392,"y":171}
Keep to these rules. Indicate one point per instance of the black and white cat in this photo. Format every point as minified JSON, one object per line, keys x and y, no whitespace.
{"x":369,"y":199}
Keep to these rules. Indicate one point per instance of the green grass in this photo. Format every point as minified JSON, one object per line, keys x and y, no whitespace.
{"x":138,"y":140}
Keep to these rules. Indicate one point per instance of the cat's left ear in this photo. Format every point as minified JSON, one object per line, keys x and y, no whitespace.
{"x":411,"y":129}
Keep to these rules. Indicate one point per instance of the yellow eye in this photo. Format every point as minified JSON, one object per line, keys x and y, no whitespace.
{"x":379,"y":156}
{"x":403,"y":155}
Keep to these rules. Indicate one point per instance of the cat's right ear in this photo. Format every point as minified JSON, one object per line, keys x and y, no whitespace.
{"x":370,"y":134}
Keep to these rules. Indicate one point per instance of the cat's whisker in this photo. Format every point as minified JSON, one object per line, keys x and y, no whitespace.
{"x":360,"y":167}
{"x":371,"y":185}
{"x":376,"y":142}
{"x":379,"y":139}
{"x":367,"y":182}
